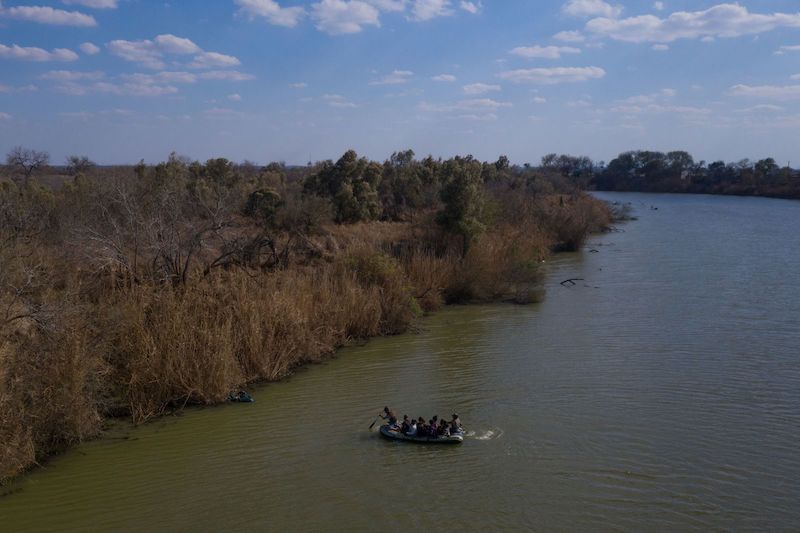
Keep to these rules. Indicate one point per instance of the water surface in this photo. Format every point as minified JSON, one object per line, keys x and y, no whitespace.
{"x":663,"y":392}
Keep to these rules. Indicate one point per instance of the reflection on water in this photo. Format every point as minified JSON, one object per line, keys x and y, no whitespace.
{"x":661,"y":393}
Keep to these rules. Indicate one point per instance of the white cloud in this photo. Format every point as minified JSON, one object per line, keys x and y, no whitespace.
{"x":214,"y":60}
{"x":660,"y":47}
{"x":144,"y":52}
{"x":337,"y":100}
{"x":545,"y":52}
{"x":472,"y":109}
{"x":723,"y":20}
{"x":771,"y":92}
{"x":89,"y":49}
{"x":225,"y":75}
{"x":583,"y":102}
{"x":29,"y":53}
{"x":642,"y":99}
{"x":389,"y":5}
{"x":94,"y":4}
{"x":404,"y":94}
{"x":5,"y":116}
{"x":176,"y":45}
{"x":480,"y":88}
{"x":126,"y":88}
{"x":448,"y":78}
{"x":471,"y":7}
{"x":761,"y":108}
{"x":569,"y":37}
{"x":787,"y":48}
{"x":71,"y":75}
{"x":150,"y":54}
{"x":539,"y":100}
{"x":475,"y":116}
{"x":160,"y":78}
{"x":423,"y":10}
{"x":137,"y":84}
{"x":272,"y":11}
{"x":591,"y":8}
{"x":397,"y":77}
{"x":553,"y":76}
{"x":473,"y":105}
{"x":340,"y":17}
{"x":300,"y":85}
{"x":659,"y":109}
{"x":235,"y":97}
{"x":173,"y":77}
{"x":222,"y":113}
{"x":658,"y":6}
{"x":658,"y":103}
{"x":30,"y":88}
{"x":794,"y":77}
{"x":48,"y":15}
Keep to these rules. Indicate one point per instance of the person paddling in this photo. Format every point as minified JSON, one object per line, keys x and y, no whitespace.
{"x":389,"y":415}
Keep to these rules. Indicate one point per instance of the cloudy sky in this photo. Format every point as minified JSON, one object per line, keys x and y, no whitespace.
{"x":293,"y":80}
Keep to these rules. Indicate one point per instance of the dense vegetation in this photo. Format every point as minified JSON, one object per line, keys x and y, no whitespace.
{"x":678,"y":172}
{"x":131,"y":291}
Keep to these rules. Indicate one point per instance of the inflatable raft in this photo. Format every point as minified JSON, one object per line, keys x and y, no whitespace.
{"x":240,"y":397}
{"x":396,"y":435}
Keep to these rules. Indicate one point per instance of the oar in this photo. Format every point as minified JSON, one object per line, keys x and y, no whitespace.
{"x":373,"y":423}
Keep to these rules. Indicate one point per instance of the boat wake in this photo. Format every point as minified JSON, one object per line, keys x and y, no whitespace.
{"x":489,"y":434}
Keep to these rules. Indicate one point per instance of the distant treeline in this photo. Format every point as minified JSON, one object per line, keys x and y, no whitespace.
{"x":678,"y":172}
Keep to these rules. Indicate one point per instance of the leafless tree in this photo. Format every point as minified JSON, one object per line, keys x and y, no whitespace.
{"x":79,"y":164}
{"x":111,"y":236}
{"x":27,"y":161}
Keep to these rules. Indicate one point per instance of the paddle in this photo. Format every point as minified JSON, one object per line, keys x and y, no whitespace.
{"x":373,"y":423}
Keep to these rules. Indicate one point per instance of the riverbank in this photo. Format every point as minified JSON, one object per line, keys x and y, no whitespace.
{"x":94,"y":329}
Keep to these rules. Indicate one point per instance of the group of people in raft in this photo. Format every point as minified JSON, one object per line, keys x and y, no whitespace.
{"x":434,"y":428}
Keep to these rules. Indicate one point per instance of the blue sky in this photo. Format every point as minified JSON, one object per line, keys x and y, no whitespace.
{"x":293,"y":80}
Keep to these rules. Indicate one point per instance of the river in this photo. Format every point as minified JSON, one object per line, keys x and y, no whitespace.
{"x":662,"y":392}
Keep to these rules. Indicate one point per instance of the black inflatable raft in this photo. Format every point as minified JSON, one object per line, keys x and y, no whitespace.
{"x":397,"y":435}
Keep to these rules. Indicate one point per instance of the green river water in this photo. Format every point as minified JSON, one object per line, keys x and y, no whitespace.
{"x":661,"y":393}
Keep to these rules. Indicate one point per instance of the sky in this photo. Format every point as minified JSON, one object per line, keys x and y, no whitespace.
{"x":305,"y":80}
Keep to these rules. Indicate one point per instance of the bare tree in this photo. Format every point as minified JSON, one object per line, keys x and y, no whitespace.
{"x":79,"y":164}
{"x":27,"y":161}
{"x":111,"y":236}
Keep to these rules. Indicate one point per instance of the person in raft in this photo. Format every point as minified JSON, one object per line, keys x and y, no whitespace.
{"x":405,"y":425}
{"x":389,"y":415}
{"x":455,"y":425}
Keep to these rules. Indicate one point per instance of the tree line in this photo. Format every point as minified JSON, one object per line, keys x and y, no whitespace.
{"x":679,"y":172}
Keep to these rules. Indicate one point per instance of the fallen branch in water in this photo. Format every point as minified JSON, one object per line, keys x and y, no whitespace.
{"x":571,"y":282}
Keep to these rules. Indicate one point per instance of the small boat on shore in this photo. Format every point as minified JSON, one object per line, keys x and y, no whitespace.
{"x":397,"y":435}
{"x":240,"y":397}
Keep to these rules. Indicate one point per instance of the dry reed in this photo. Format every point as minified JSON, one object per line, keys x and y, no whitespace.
{"x":142,"y":349}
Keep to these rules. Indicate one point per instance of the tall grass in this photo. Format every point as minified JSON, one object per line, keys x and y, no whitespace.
{"x":50,"y":383}
{"x":143,"y":349}
{"x":197,"y":344}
